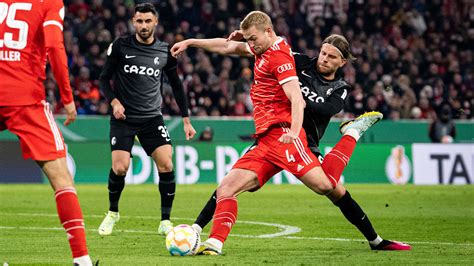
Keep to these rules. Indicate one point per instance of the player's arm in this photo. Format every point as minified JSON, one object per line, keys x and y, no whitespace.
{"x":292,"y":91}
{"x":118,"y":111}
{"x":54,"y":46}
{"x":109,"y":70}
{"x":331,"y":106}
{"x":218,"y":45}
{"x":178,"y":91}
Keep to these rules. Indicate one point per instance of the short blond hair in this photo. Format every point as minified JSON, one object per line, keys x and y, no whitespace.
{"x":258,"y":19}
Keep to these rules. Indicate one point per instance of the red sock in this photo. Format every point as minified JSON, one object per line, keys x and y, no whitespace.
{"x":70,"y":215}
{"x":224,"y":218}
{"x":335,"y":161}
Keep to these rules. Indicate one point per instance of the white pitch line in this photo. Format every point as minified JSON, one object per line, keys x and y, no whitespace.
{"x":286,"y":230}
{"x":243,"y":236}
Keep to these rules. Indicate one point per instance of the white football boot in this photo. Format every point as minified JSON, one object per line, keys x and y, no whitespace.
{"x":108,"y":223}
{"x":358,"y":126}
{"x":197,"y":227}
{"x":165,"y":227}
{"x":210,"y":247}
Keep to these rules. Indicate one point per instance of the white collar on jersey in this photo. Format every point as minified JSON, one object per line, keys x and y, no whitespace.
{"x":279,"y":39}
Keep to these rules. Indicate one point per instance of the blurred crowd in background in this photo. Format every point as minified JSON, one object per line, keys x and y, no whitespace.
{"x":413,"y":57}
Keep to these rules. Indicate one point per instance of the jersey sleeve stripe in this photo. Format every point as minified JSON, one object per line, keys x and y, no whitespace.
{"x":53,"y":22}
{"x":287,"y":79}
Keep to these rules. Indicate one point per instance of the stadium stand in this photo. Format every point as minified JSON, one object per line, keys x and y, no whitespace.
{"x":413,"y":56}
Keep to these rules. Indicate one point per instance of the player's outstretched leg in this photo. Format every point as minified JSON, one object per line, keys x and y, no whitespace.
{"x":210,"y":246}
{"x":224,"y":218}
{"x":336,"y":160}
{"x":206,"y":213}
{"x":354,"y":214}
{"x":116,"y":186}
{"x":359,"y":125}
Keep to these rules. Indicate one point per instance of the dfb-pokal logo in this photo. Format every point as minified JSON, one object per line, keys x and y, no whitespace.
{"x":398,"y":166}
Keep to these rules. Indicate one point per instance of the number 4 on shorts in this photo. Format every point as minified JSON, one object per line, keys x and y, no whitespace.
{"x":290,"y":157}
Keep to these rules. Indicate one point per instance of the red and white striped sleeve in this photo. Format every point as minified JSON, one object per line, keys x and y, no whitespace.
{"x":54,"y":44}
{"x":283,"y":66}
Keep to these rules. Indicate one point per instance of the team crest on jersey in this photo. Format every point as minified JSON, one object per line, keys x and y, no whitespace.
{"x":329,"y":91}
{"x":156,"y":60}
{"x":109,"y":50}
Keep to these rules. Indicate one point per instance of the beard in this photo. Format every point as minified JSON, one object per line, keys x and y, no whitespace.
{"x":325,"y":70}
{"x":145,"y":34}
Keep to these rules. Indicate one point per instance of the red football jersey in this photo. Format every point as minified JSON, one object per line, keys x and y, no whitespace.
{"x":29,"y":29}
{"x":273,"y":68}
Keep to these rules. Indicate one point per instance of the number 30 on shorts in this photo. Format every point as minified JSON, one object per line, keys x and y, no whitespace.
{"x":164,"y":132}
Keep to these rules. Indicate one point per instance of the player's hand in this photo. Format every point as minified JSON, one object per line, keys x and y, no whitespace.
{"x":178,"y":48}
{"x":71,"y":113}
{"x":288,"y":138}
{"x":236,"y":35}
{"x":189,"y":130}
{"x":118,"y":110}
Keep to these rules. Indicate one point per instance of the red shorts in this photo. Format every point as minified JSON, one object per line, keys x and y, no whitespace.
{"x":271,"y":156}
{"x":40,"y":138}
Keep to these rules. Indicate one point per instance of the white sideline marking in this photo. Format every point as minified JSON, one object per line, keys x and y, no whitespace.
{"x":286,"y":232}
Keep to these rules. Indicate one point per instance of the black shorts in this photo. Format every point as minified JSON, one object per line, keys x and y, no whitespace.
{"x":152,"y":133}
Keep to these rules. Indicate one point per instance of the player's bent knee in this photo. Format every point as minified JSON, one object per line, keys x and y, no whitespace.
{"x":165,"y":167}
{"x":325,"y":190}
{"x":120,"y":169}
{"x":224,"y":191}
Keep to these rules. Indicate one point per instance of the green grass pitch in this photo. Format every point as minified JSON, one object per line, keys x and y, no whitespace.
{"x":438,"y":221}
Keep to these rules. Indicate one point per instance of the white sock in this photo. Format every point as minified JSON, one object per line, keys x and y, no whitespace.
{"x":353,"y":133}
{"x":83,"y":261}
{"x":376,"y":241}
{"x":216,"y":243}
{"x":197,"y":227}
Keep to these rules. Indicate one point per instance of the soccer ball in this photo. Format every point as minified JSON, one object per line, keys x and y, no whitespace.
{"x":183,"y":240}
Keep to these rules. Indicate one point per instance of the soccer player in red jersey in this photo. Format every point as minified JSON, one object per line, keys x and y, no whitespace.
{"x":278,"y":115}
{"x":31,"y":32}
{"x":324,"y":91}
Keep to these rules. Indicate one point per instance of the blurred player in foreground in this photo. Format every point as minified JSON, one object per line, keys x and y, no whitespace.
{"x":278,"y":116}
{"x":325,"y":92}
{"x":30,"y":32}
{"x":136,"y":63}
